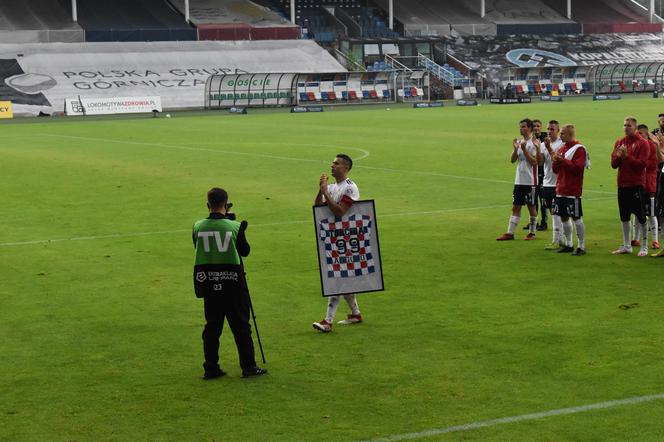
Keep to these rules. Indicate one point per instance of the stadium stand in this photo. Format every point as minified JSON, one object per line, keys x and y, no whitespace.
{"x":603,"y":16}
{"x":373,"y":26}
{"x":236,"y":20}
{"x":131,"y":20}
{"x":32,"y":21}
{"x":503,"y":17}
{"x":328,"y":21}
{"x":431,"y":17}
{"x":514,"y":17}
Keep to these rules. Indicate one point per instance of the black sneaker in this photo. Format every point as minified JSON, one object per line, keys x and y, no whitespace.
{"x":566,"y":249}
{"x":213,"y":374}
{"x":579,"y":252}
{"x":255,"y":371}
{"x":542,"y":227}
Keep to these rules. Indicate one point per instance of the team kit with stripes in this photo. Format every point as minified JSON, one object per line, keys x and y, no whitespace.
{"x":549,"y":173}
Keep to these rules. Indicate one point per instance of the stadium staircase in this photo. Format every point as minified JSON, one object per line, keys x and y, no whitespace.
{"x":449,"y":75}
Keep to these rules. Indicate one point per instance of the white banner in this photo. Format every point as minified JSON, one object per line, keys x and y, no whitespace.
{"x":114,"y":105}
{"x":42,"y":76}
{"x":348,"y":250}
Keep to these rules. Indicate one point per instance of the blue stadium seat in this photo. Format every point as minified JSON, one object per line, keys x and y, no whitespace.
{"x":344,"y":95}
{"x":303,"y":96}
{"x":386,"y":93}
{"x":365,"y":94}
{"x":324,"y":96}
{"x":406,"y":92}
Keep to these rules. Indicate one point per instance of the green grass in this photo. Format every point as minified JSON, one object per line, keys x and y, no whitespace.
{"x":101,"y":337}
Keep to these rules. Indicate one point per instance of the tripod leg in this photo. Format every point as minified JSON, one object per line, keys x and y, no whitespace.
{"x":258,"y":336}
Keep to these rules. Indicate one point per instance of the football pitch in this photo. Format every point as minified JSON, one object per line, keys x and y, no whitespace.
{"x":472,"y":339}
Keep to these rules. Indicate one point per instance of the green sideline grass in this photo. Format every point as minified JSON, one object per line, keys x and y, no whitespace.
{"x":101,"y":337}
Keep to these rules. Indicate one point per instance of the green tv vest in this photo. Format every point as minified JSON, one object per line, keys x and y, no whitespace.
{"x":217,"y":269}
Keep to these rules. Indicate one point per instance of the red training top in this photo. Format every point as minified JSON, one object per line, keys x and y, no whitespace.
{"x":651,"y":170}
{"x":632,"y":168}
{"x":570,"y":172}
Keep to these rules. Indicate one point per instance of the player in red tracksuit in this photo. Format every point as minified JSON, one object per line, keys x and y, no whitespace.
{"x":569,"y":163}
{"x":651,"y":184}
{"x":630,"y":156}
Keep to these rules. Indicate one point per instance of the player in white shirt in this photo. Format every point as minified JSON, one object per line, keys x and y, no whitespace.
{"x":552,"y":144}
{"x":338,"y":196}
{"x":527,"y":154}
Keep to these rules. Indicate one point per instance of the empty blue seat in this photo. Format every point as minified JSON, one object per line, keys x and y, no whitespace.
{"x":365,"y":94}
{"x":303,"y":96}
{"x":344,"y":95}
{"x":549,"y":87}
{"x":324,"y":96}
{"x":406,"y":92}
{"x":386,"y":93}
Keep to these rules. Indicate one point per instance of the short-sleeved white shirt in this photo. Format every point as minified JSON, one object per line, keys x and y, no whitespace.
{"x":526,"y":173}
{"x":345,"y":188}
{"x":550,"y":177}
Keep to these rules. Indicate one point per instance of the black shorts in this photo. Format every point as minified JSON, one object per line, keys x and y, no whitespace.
{"x":568,"y":207}
{"x":548,"y":196}
{"x":631,"y":201}
{"x":524,"y":195}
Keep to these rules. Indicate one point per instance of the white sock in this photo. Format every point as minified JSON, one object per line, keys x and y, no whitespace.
{"x":514,"y":221}
{"x":627,"y":243}
{"x":654,"y":228}
{"x":351,"y":300}
{"x":643,"y":228}
{"x":332,"y":305}
{"x":533,"y":224}
{"x":557,"y":227}
{"x":567,"y":232}
{"x":581,"y":233}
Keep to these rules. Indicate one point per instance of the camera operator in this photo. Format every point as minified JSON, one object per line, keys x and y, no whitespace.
{"x":219,"y":279}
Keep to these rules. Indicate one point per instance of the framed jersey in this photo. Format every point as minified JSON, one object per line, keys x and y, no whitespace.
{"x":348,"y":250}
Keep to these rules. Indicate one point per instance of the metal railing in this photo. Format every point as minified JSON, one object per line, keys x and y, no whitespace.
{"x":347,"y":61}
{"x":396,"y":64}
{"x":443,"y":74}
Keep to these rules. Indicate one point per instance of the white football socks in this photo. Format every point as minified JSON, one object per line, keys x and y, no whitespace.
{"x":627,"y":243}
{"x":581,"y":233}
{"x":332,"y":305}
{"x":514,"y":221}
{"x":557,"y":229}
{"x":533,"y":224}
{"x":643,"y":230}
{"x":567,"y":232}
{"x":351,"y":300}
{"x":654,"y":228}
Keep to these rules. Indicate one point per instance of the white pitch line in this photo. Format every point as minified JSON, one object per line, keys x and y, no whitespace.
{"x":189,"y":148}
{"x":520,"y":418}
{"x":284,"y":223}
{"x":277,"y":157}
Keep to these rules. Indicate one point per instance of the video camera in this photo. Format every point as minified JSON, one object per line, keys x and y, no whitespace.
{"x":230,"y":215}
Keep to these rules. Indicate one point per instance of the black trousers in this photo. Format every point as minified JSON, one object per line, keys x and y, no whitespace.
{"x":234,"y":308}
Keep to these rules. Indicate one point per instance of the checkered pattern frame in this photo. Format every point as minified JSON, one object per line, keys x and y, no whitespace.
{"x":347,"y":246}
